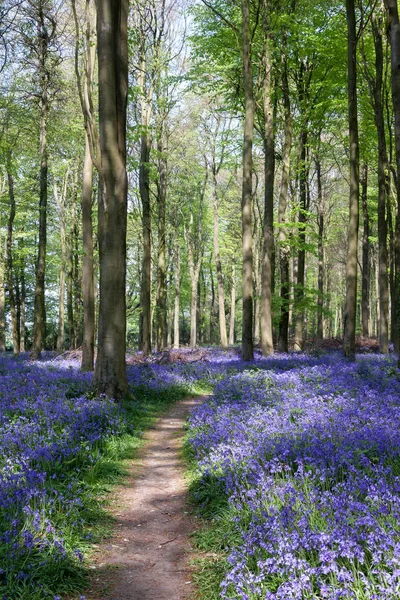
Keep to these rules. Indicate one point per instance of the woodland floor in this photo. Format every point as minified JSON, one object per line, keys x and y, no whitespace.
{"x":147,"y":557}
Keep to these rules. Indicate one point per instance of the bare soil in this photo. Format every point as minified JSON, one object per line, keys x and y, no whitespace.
{"x":147,"y":557}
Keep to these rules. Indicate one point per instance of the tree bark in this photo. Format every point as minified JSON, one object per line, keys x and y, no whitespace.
{"x":301,"y":256}
{"x":217,"y":258}
{"x":161,"y":292}
{"x":366,"y":267}
{"x":284,"y":249}
{"x":110,"y":371}
{"x":352,"y":250}
{"x":39,"y":315}
{"x":60,"y":201}
{"x":320,"y":209}
{"x":87,"y":264}
{"x":247,"y":243}
{"x":177,"y":277}
{"x":10,"y":269}
{"x":267,"y":270}
{"x":394,"y":33}
{"x":233,"y":306}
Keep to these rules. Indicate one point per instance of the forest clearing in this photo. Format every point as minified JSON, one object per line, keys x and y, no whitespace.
{"x":199,"y":300}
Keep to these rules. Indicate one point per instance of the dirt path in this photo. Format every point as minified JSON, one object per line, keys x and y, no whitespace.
{"x":147,"y":557}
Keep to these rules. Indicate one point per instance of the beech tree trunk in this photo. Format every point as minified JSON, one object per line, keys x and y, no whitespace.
{"x":88,"y":296}
{"x":394,"y":32}
{"x":301,"y":256}
{"x":110,"y":371}
{"x":284,"y":248}
{"x":352,"y":250}
{"x":366,"y":267}
{"x":22,"y":296}
{"x":39,"y":315}
{"x":177,"y":278}
{"x":217,"y":258}
{"x":10,"y":270}
{"x":320,"y":209}
{"x":144,"y":186}
{"x":247,"y":242}
{"x":233,"y":306}
{"x":376,"y":95}
{"x":61,"y":201}
{"x":70,"y":282}
{"x":267,"y":270}
{"x":161,"y":292}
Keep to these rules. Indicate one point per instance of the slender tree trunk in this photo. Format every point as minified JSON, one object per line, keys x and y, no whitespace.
{"x":218,"y":265}
{"x":60,"y":201}
{"x":247,"y":243}
{"x":23,"y":297}
{"x":352,"y":250}
{"x":87,"y":264}
{"x":233,"y":306}
{"x":39,"y":315}
{"x":177,"y":278}
{"x":301,"y":256}
{"x":10,"y":270}
{"x":267,"y":270}
{"x":144,"y":186}
{"x":77,"y":286}
{"x":161,"y":294}
{"x":70,"y":282}
{"x":284,"y":249}
{"x":366,"y":267}
{"x":320,"y":208}
{"x":110,"y":371}
{"x":2,"y":301}
{"x":394,"y":28}
{"x":382,"y":190}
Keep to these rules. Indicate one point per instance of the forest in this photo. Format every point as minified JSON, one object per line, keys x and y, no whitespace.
{"x":200,"y":213}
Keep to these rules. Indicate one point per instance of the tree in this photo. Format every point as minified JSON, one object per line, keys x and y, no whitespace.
{"x":112,"y":36}
{"x":352,"y":251}
{"x":247,"y":249}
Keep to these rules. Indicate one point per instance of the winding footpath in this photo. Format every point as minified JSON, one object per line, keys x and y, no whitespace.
{"x":147,"y":557}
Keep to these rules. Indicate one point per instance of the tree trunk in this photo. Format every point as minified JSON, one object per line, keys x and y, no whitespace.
{"x":110,"y":371}
{"x":23,"y":296}
{"x":320,"y":208}
{"x":144,"y":186}
{"x":233,"y":306}
{"x":60,"y":201}
{"x":267,"y":270}
{"x":2,"y":301}
{"x":284,"y":249}
{"x":247,"y":243}
{"x":382,"y":189}
{"x":161,"y":294}
{"x":87,"y":264}
{"x":70,"y":282}
{"x":39,"y":315}
{"x":301,"y":256}
{"x":218,"y":265}
{"x":352,"y":250}
{"x":177,"y":277}
{"x":394,"y":28}
{"x":10,"y":270}
{"x":366,"y":267}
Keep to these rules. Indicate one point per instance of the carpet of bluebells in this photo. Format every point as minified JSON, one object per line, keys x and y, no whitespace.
{"x":307,"y":451}
{"x":53,"y":431}
{"x":305,"y":448}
